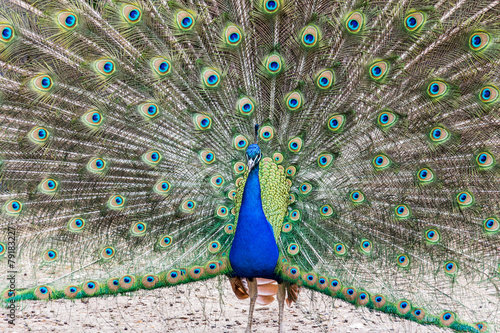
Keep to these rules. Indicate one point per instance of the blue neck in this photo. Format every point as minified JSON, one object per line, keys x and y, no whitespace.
{"x":254,"y":252}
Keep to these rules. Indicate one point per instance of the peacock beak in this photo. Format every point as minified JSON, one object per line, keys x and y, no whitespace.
{"x":250,"y":164}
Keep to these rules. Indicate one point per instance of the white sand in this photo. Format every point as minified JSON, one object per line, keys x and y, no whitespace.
{"x":199,"y":307}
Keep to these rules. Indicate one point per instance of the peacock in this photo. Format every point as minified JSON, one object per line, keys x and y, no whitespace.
{"x":347,"y":147}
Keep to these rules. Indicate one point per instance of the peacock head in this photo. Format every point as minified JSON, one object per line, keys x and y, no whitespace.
{"x":253,"y":156}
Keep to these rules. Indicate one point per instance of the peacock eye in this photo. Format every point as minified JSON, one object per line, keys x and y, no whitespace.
{"x":7,"y":33}
{"x":479,"y":41}
{"x":355,"y":22}
{"x":185,"y":21}
{"x":232,"y":35}
{"x":437,"y":89}
{"x":273,"y":64}
{"x":439,"y":134}
{"x":414,"y":21}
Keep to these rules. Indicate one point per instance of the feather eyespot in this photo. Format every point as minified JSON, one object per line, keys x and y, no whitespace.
{"x":196,"y":272}
{"x":322,"y":283}
{"x":340,"y":249}
{"x":295,"y":215}
{"x":105,"y":67}
{"x":266,"y":133}
{"x":217,"y":181}
{"x":447,"y":318}
{"x":152,"y":157}
{"x":138,"y":229}
{"x":439,"y":134}
{"x":485,"y":160}
{"x":271,"y":6}
{"x":173,"y":276}
{"x":116,"y":202}
{"x":295,"y":144}
{"x":185,"y":21}
{"x":336,"y":122}
{"x":357,"y":196}
{"x":309,"y":278}
{"x":233,"y":35}
{"x":229,"y":229}
{"x":7,"y":33}
{"x":363,"y":298}
{"x":491,"y":225}
{"x":274,"y":64}
{"x":90,"y":287}
{"x":239,"y":167}
{"x":294,"y":101}
{"x":489,"y":94}
{"x":211,"y":78}
{"x":403,"y":260}
{"x":479,"y":41}
{"x":161,"y":66}
{"x":71,"y":291}
{"x":277,"y":158}
{"x":149,"y":281}
{"x":365,"y":246}
{"x":310,"y":36}
{"x":350,"y":293}
{"x":325,"y":79}
{"x":50,"y":255}
{"x":231,"y":194}
{"x":293,"y":249}
{"x":13,"y":207}
{"x":414,"y":21}
{"x":404,"y":307}
{"x":402,"y":211}
{"x":378,"y":301}
{"x":127,"y":282}
{"x":76,"y":224}
{"x":292,"y":198}
{"x":165,"y":241}
{"x":293,"y":272}
{"x":419,"y":314}
{"x":386,"y":119}
{"x":38,"y":135}
{"x":481,"y":327}
{"x":325,"y":160}
{"x":465,"y":199}
{"x":432,"y":236}
{"x":92,"y":119}
{"x":214,"y":247}
{"x":240,"y":142}
{"x":305,"y":188}
{"x":207,"y":156}
{"x":245,"y":106}
{"x":97,"y":165}
{"x":3,"y":249}
{"x":67,"y":20}
{"x":48,"y":186}
{"x":425,"y":175}
{"x":437,"y":89}
{"x":188,"y":206}
{"x":291,"y":171}
{"x":450,"y":268}
{"x":379,"y":70}
{"x":42,"y":83}
{"x":381,"y":162}
{"x":148,"y":110}
{"x":43,"y":292}
{"x":107,"y":253}
{"x":335,"y":285}
{"x":131,"y":14}
{"x":326,"y":211}
{"x":162,"y":187}
{"x":287,"y":227}
{"x":355,"y":22}
{"x":222,"y":211}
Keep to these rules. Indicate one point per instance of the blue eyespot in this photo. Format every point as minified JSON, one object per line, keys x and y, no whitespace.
{"x":274,"y":66}
{"x":378,"y":299}
{"x":6,"y":33}
{"x":51,"y":254}
{"x":355,"y":195}
{"x":403,"y":305}
{"x":417,"y":312}
{"x":293,"y":102}
{"x":436,"y":134}
{"x":362,"y":296}
{"x":173,"y":275}
{"x":310,"y":277}
{"x":163,"y":67}
{"x":353,"y":24}
{"x":384,"y":118}
{"x":402,"y":259}
{"x":154,"y":157}
{"x":197,"y":271}
{"x":150,"y":279}
{"x":118,"y":200}
{"x":127,"y":279}
{"x":431,"y":234}
{"x":212,"y":79}
{"x":271,"y":5}
{"x":164,"y":186}
{"x":51,"y":184}
{"x":322,"y":281}
{"x":247,"y":107}
{"x":186,"y":22}
{"x":266,"y":134}
{"x":339,"y":248}
{"x":218,"y":180}
{"x":294,"y":145}
{"x":411,"y":22}
{"x":335,"y":283}
{"x":309,"y":38}
{"x":152,"y":109}
{"x":463,"y":197}
{"x":78,"y":222}
{"x":45,"y":82}
{"x":234,"y":37}
{"x":204,"y":122}
{"x":293,"y":271}
{"x":241,"y":143}
{"x":190,"y":204}
{"x":72,"y":290}
{"x":325,"y":210}
{"x":293,"y":247}
{"x":324,"y":81}
{"x":376,"y":71}
{"x":366,"y":244}
{"x":447,"y":316}
{"x":108,"y":67}
{"x":44,"y":290}
{"x":90,"y":285}
{"x":334,"y":123}
{"x":476,"y":40}
{"x":133,"y":15}
{"x":96,"y":117}
{"x":350,"y":291}
{"x":70,"y":20}
{"x":434,"y":89}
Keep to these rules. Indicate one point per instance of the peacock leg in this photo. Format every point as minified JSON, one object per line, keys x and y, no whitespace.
{"x":252,"y":290}
{"x":281,"y":304}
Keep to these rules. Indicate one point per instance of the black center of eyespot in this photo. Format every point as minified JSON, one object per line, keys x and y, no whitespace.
{"x":362,"y":296}
{"x":447,"y":316}
{"x":90,"y":285}
{"x":404,"y":305}
{"x":353,"y":24}
{"x":411,"y":22}
{"x":310,"y":277}
{"x":378,"y":299}
{"x":322,"y":281}
{"x":186,"y":21}
{"x":134,"y":14}
{"x":212,"y":79}
{"x":293,"y":271}
{"x":197,"y":271}
{"x":234,"y":37}
{"x":274,"y":65}
{"x":335,"y":283}
{"x":402,"y":259}
{"x":127,"y":280}
{"x":163,"y":67}
{"x":150,"y":279}
{"x":173,"y":275}
{"x":350,"y":291}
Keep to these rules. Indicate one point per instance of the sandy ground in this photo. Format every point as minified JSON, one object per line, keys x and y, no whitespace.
{"x":208,"y":306}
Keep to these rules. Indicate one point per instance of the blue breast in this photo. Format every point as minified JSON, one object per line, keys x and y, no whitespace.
{"x":254,"y":252}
